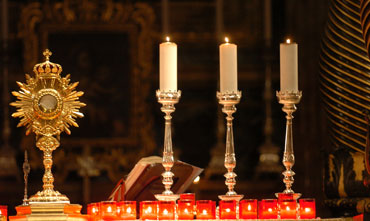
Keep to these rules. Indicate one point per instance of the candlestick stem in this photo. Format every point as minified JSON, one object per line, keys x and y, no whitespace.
{"x":289,"y":101}
{"x":229,"y":100}
{"x":26,"y":171}
{"x":168,"y":99}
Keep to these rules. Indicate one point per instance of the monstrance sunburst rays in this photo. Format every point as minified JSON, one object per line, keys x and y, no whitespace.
{"x":47,"y":105}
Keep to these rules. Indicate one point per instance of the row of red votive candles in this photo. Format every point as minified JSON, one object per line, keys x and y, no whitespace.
{"x":204,"y":209}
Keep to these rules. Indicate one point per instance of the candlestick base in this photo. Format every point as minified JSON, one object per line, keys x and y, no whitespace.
{"x":235,"y":197}
{"x":165,"y":197}
{"x":283,"y":195}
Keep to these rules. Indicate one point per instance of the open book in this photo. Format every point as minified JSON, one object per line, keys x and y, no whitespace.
{"x":145,"y":180}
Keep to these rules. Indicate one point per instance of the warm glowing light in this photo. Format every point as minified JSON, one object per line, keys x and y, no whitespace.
{"x":288,"y":41}
{"x":168,"y":39}
{"x":196,"y":180}
{"x":148,"y":210}
{"x":165,"y":212}
{"x":118,"y":210}
{"x":226,"y":39}
{"x":93,"y":210}
{"x":288,"y":208}
{"x":128,"y":210}
{"x":186,"y":210}
{"x":249,"y":208}
{"x":204,"y":212}
{"x":228,"y":210}
{"x":269,"y":209}
{"x":109,"y":209}
{"x":307,"y":209}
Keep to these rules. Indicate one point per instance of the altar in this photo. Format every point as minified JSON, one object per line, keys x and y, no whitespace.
{"x":265,"y":104}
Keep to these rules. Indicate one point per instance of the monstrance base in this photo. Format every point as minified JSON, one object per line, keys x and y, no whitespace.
{"x":231,"y":197}
{"x":167,"y":197}
{"x":48,"y":196}
{"x":283,"y":195}
{"x":49,"y":212}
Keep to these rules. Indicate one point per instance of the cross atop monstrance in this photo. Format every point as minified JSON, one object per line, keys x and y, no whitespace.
{"x":47,"y":53}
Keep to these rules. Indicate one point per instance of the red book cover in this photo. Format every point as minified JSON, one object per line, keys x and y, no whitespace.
{"x":145,"y":180}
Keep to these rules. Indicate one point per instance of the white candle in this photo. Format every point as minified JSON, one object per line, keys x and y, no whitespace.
{"x":168,"y":66}
{"x":228,"y":67}
{"x":289,"y":66}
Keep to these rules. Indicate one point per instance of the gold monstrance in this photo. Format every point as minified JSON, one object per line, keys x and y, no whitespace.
{"x":48,"y":105}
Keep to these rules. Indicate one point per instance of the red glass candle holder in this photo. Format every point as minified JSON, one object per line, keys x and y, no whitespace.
{"x":288,"y":209}
{"x":206,"y":209}
{"x":93,"y":209}
{"x":126,"y":210}
{"x":227,"y":209}
{"x":307,"y":208}
{"x":185,"y":209}
{"x":148,"y":210}
{"x":267,"y":209}
{"x":187,"y":196}
{"x":166,"y":210}
{"x":108,"y":210}
{"x":4,"y":212}
{"x":248,"y":209}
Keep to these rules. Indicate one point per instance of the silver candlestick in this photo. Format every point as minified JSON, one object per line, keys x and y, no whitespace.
{"x":289,"y":100}
{"x":26,"y":171}
{"x":229,"y":100}
{"x":168,"y":99}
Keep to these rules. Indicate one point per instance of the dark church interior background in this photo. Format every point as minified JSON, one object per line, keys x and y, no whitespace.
{"x":115,"y":59}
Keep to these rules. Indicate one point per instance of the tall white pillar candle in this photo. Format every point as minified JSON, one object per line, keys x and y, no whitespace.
{"x":228,"y":67}
{"x":289,"y":66}
{"x":168,"y":66}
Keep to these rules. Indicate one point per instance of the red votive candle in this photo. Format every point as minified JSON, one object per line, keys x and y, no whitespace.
{"x":93,"y":209}
{"x":185,"y":209}
{"x":4,"y":212}
{"x":288,"y":209}
{"x":227,"y":209}
{"x":187,"y":196}
{"x":148,"y":210}
{"x":166,"y":210}
{"x":267,"y":209}
{"x":108,"y":210}
{"x":126,"y":210}
{"x":248,"y":209}
{"x":206,"y":209}
{"x":307,"y":208}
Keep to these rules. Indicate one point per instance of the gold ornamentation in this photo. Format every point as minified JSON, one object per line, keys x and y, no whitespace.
{"x":116,"y":154}
{"x":48,"y":105}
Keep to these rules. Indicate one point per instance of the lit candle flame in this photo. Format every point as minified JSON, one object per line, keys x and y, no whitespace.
{"x":226,"y":39}
{"x":186,"y":210}
{"x":227,"y":210}
{"x":204,"y":212}
{"x":307,"y":209}
{"x":93,"y":210}
{"x":168,"y":39}
{"x":288,"y":41}
{"x":249,"y":208}
{"x":148,"y":210}
{"x":128,"y":210}
{"x":269,"y":209}
{"x":109,"y":209}
{"x":165,"y":212}
{"x":288,"y":208}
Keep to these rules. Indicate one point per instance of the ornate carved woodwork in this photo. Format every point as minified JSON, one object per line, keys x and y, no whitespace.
{"x":82,"y":23}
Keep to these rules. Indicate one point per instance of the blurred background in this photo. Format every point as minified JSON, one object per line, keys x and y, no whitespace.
{"x":111,"y":48}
